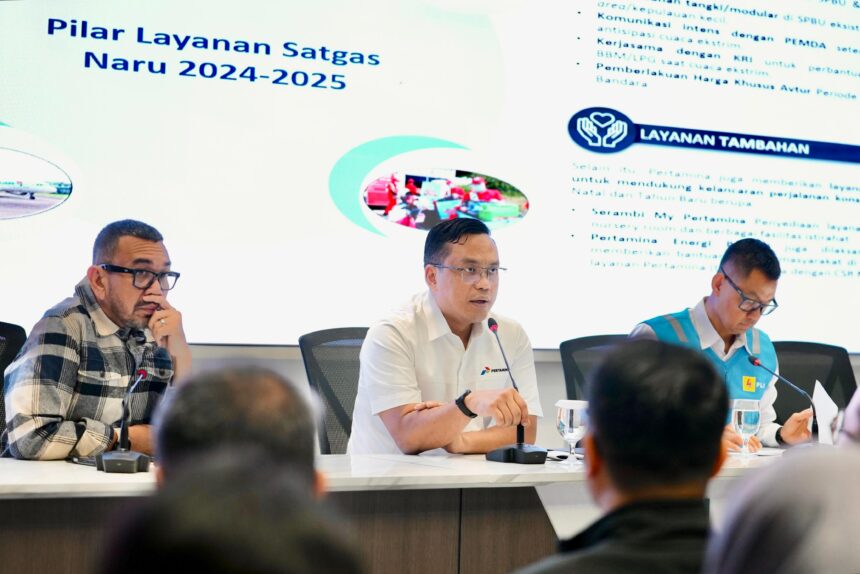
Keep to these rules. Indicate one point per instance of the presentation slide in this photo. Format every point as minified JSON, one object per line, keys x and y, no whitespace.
{"x":294,"y":154}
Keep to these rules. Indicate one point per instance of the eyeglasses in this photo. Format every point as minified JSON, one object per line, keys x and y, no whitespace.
{"x":144,"y":278}
{"x":748,"y":304}
{"x":471,"y":275}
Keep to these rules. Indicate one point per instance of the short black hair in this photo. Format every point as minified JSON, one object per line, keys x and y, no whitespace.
{"x":447,"y":232}
{"x":657,"y":413}
{"x":104,"y":246}
{"x":748,"y":254}
{"x":232,"y":511}
{"x":245,"y":406}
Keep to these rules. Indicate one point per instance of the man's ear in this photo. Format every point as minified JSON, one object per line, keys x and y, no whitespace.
{"x":593,"y":461}
{"x":320,"y":484}
{"x":98,"y":282}
{"x":721,"y":458}
{"x":430,"y":276}
{"x":717,"y":282}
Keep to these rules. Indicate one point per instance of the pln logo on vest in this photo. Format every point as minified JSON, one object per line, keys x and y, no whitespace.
{"x":750,"y":384}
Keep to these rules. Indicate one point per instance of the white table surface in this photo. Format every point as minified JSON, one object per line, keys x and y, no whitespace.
{"x":560,"y":485}
{"x":23,"y":479}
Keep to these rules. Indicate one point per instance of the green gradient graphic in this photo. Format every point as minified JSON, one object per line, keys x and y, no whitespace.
{"x":344,"y":182}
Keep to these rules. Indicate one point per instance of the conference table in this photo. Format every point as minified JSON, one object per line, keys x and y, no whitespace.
{"x":446,"y":513}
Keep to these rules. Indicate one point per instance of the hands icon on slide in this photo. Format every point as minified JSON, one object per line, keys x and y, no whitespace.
{"x":616,"y":132}
{"x":588,"y":130}
{"x":590,"y":127}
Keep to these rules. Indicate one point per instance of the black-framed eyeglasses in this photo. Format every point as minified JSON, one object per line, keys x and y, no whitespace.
{"x":471,"y":275}
{"x":144,"y":278}
{"x":748,"y":304}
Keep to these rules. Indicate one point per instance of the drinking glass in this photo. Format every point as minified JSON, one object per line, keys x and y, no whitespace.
{"x":746,"y":416}
{"x":571,"y":421}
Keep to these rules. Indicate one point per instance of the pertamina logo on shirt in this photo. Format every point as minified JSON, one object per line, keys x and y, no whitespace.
{"x":487,"y":370}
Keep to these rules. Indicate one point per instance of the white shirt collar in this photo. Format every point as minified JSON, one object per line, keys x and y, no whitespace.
{"x":437,"y":325}
{"x":708,"y":335}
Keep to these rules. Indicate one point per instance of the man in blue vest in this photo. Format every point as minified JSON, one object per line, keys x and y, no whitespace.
{"x":722,"y":326}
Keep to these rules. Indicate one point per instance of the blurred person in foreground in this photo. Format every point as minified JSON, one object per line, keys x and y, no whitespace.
{"x":233,"y":511}
{"x":237,"y":408}
{"x":656,"y":415}
{"x":849,"y":433}
{"x":799,"y":515}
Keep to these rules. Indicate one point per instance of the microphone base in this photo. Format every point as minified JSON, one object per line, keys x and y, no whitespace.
{"x":518,"y":454}
{"x":122,"y":461}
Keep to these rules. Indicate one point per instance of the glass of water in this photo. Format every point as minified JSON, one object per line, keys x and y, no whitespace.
{"x":746,"y":416}
{"x":571,"y":421}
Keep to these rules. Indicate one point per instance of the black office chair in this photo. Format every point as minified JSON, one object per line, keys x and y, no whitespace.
{"x":802,"y":363}
{"x":579,"y":356}
{"x":331,"y":362}
{"x":12,"y":338}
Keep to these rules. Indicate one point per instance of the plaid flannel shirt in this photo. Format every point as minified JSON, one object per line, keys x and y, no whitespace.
{"x":64,"y":391}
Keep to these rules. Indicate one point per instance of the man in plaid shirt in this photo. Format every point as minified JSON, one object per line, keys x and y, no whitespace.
{"x":64,"y":392}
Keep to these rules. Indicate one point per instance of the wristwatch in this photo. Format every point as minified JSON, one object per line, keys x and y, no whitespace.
{"x":779,"y":440}
{"x":461,"y":404}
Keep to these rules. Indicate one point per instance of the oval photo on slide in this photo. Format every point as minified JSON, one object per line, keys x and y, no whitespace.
{"x":420,"y":199}
{"x":30,"y":184}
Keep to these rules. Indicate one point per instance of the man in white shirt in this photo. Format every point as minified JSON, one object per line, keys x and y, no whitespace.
{"x":432,"y":375}
{"x":722,"y":327}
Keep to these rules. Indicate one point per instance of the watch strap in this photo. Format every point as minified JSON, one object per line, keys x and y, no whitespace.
{"x":779,"y":440}
{"x":461,"y":404}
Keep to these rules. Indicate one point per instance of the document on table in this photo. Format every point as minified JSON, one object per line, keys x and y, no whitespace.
{"x":825,"y":410}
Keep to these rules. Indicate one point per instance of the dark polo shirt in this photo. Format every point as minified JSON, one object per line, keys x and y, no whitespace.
{"x":660,"y":536}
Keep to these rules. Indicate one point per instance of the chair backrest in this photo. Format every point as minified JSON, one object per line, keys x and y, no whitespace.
{"x":802,"y":363}
{"x":12,"y":338}
{"x":579,"y":356}
{"x":332,"y":364}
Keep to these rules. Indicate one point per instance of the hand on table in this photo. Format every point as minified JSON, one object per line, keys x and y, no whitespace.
{"x":734,"y":442}
{"x":140,"y":437}
{"x":506,"y":406}
{"x":796,"y":428}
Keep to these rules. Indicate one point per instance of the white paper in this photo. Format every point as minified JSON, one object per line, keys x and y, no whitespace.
{"x":825,"y":410}
{"x":767,"y":451}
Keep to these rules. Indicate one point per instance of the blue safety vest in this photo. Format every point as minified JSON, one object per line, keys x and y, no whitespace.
{"x":743,"y":379}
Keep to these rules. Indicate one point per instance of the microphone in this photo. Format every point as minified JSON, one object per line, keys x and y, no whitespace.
{"x":520,"y":452}
{"x":494,"y":327}
{"x":125,"y":460}
{"x":757,"y":362}
{"x":123,"y":426}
